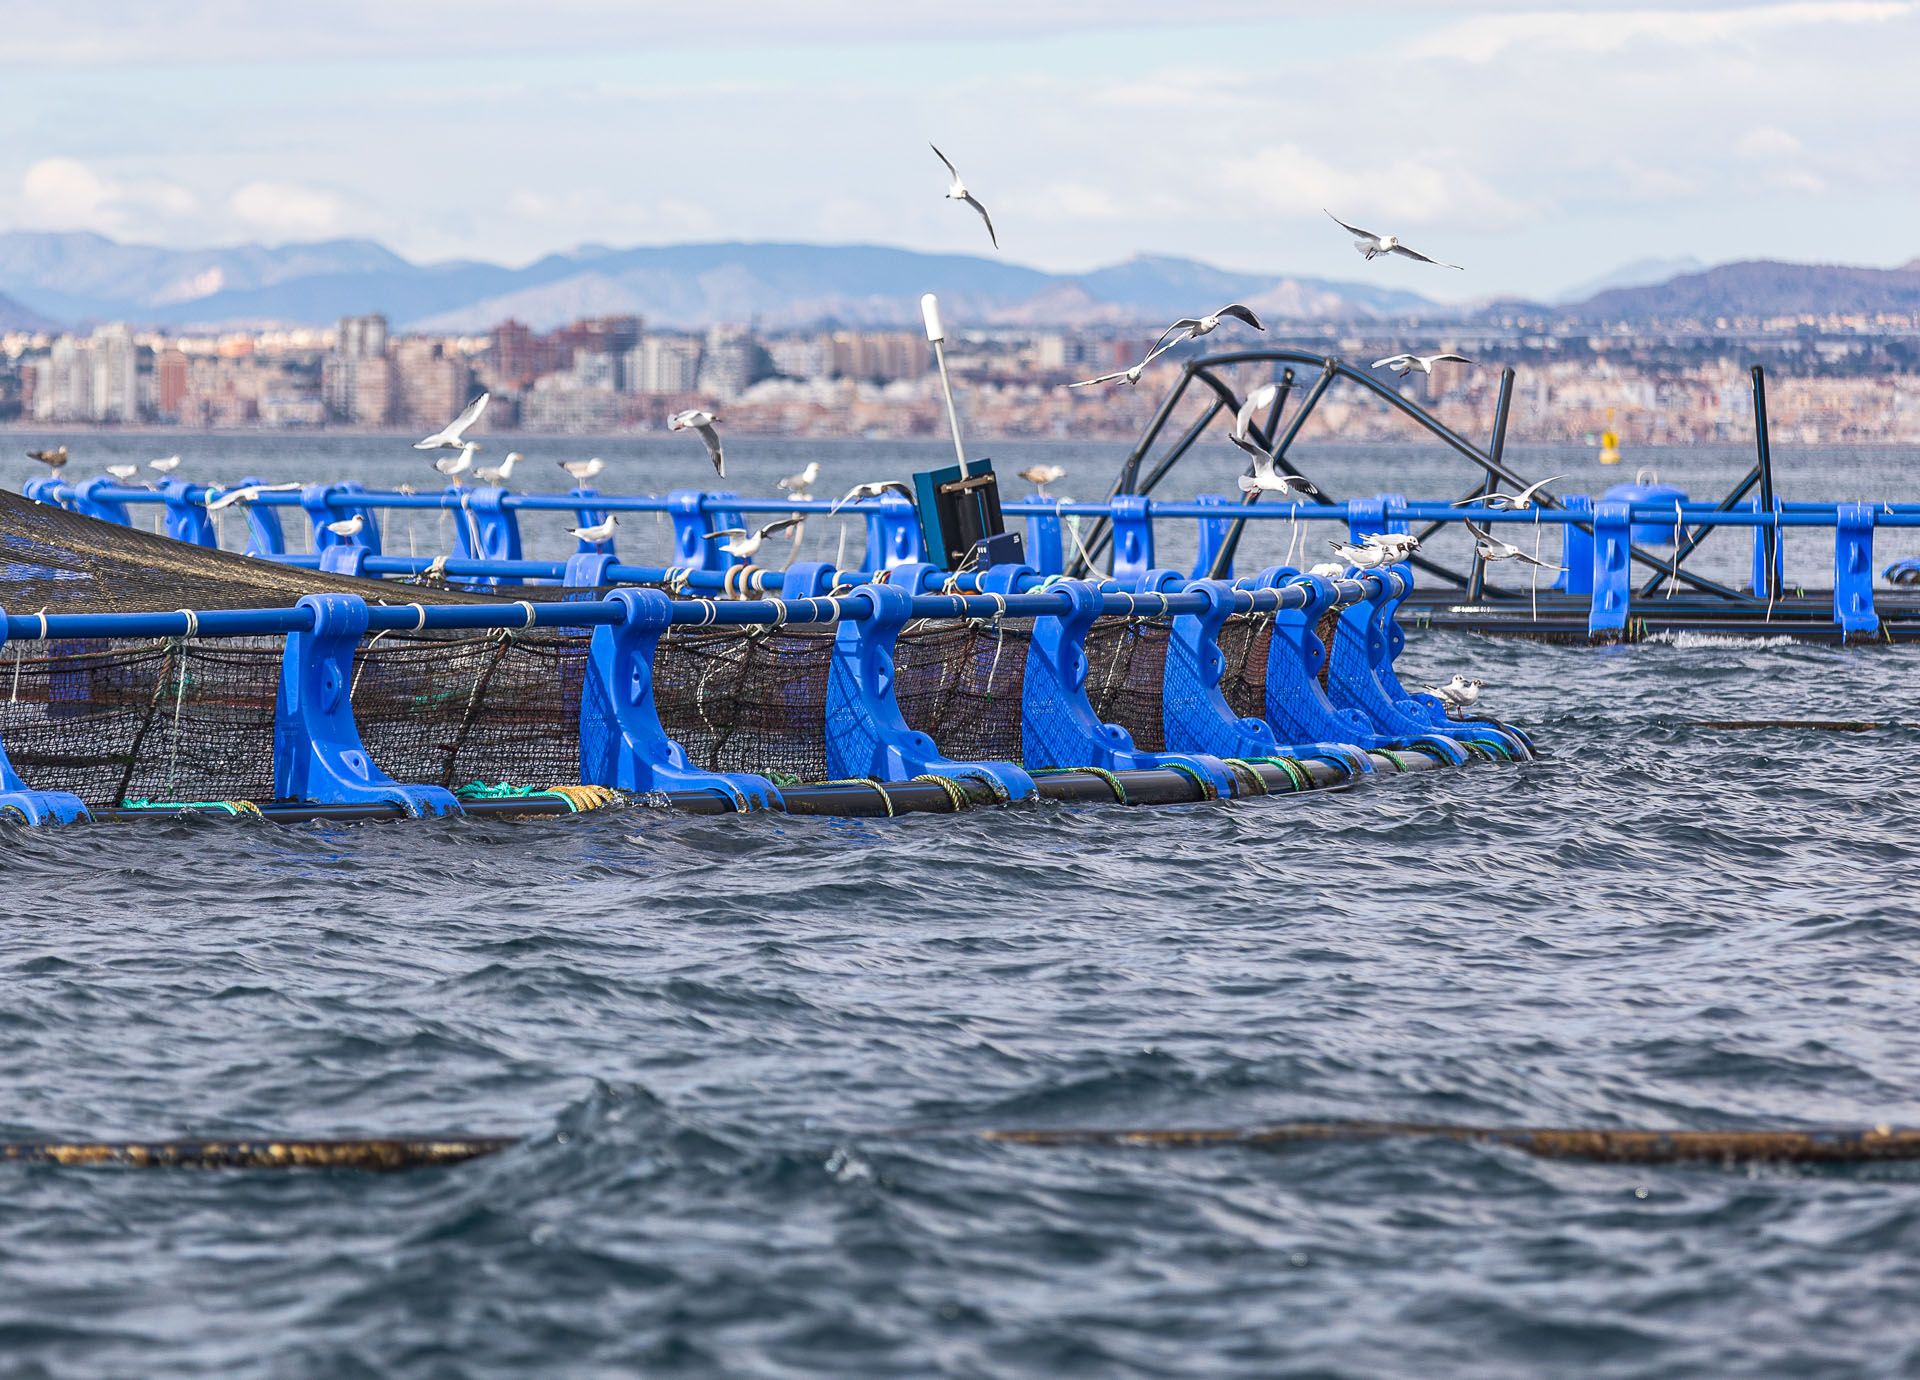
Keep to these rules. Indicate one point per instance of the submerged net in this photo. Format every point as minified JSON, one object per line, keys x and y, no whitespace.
{"x":1126,"y":661}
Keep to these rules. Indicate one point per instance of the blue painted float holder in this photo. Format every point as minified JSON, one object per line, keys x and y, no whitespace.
{"x":866,"y":736}
{"x":1132,"y":538}
{"x":330,"y":503}
{"x":1297,"y":707}
{"x":317,"y":752}
{"x":488,"y":530}
{"x":894,"y":537}
{"x":1612,"y":570}
{"x":622,"y":742}
{"x":1354,"y":676}
{"x":1046,"y":544}
{"x":1503,"y":738}
{"x":1853,"y":571}
{"x":1213,"y":539}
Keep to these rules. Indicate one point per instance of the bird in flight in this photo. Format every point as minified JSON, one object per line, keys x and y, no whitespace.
{"x":1371,"y":246}
{"x":1265,"y":479}
{"x":1131,"y":375}
{"x":582,"y":470}
{"x":693,"y":419}
{"x":1417,"y":364}
{"x":1519,"y":502}
{"x":52,"y":459}
{"x":450,"y":437}
{"x":744,"y":544}
{"x":958,"y":192}
{"x":800,"y":485}
{"x":246,"y":493}
{"x":870,"y":490}
{"x":1042,"y":475}
{"x":1193,"y":327}
{"x":1490,"y":548}
{"x":1462,"y":692}
{"x":599,"y":532}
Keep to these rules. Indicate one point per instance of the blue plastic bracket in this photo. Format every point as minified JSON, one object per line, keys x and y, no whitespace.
{"x":1853,"y":570}
{"x":893,"y":533}
{"x":1361,"y":677}
{"x":187,"y":517}
{"x":317,"y":752}
{"x":1132,"y":538}
{"x":1365,"y":516}
{"x":83,"y":498}
{"x":1195,"y":715}
{"x":35,"y":807}
{"x":586,"y":572}
{"x":1213,"y":538}
{"x":345,"y":558}
{"x":1427,"y":709}
{"x":808,"y":580}
{"x":1576,"y":549}
{"x":693,"y":549}
{"x":1046,"y":543}
{"x":866,"y":735}
{"x":51,"y":490}
{"x":265,"y":536}
{"x":488,"y":530}
{"x":327,"y":503}
{"x":1306,"y":722}
{"x":586,"y":515}
{"x":622,"y":742}
{"x":1612,"y":570}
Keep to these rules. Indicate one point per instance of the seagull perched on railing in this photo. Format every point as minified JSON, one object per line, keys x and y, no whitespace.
{"x":1193,"y":327}
{"x":1490,"y":548}
{"x":745,"y":544}
{"x":1404,"y":364}
{"x":166,"y":464}
{"x":582,"y":470}
{"x":1519,"y":502}
{"x":1042,"y":475}
{"x":450,"y":465}
{"x":501,"y":473}
{"x":693,"y":419}
{"x":53,"y":459}
{"x":347,"y":527}
{"x":1362,"y":557}
{"x":958,"y":192}
{"x":1398,"y":545}
{"x":870,"y":490}
{"x":1327,"y":570}
{"x":599,"y":532}
{"x":123,"y":472}
{"x":800,"y":485}
{"x":1371,"y":245}
{"x":450,"y":437}
{"x":1462,"y":692}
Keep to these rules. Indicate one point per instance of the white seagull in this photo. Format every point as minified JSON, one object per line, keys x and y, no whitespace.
{"x":1123,"y":376}
{"x":1241,"y":434}
{"x":582,"y":470}
{"x":123,"y":472}
{"x":745,"y":544}
{"x":449,"y":439}
{"x":246,"y":493}
{"x":693,"y":419}
{"x":801,"y":484}
{"x":1490,"y":548}
{"x":1042,"y":475}
{"x":1417,"y":364}
{"x":1193,"y":327}
{"x":347,"y":527}
{"x":1398,"y":545}
{"x":501,"y":473}
{"x":599,"y":532}
{"x":450,"y":465}
{"x":1459,"y":693}
{"x":166,"y":464}
{"x":1327,"y":570}
{"x":1519,"y":502}
{"x":870,"y":490}
{"x":1362,"y":557}
{"x":958,"y":192}
{"x":1265,"y":479}
{"x":1371,"y":245}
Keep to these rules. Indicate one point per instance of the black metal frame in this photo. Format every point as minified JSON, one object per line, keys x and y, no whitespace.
{"x":1490,"y":460}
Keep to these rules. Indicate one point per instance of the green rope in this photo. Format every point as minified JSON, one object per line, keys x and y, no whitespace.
{"x":1113,"y":782}
{"x":227,"y":807}
{"x":1207,"y":789}
{"x":1398,"y":761}
{"x":1242,"y":767}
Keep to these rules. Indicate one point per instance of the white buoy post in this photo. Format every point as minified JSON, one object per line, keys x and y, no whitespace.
{"x":936,"y":336}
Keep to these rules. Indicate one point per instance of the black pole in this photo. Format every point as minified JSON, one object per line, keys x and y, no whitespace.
{"x":1224,"y":560}
{"x":1477,"y":580}
{"x":1764,"y":463}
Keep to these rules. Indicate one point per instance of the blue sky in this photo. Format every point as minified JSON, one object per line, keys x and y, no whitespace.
{"x":1537,"y":145}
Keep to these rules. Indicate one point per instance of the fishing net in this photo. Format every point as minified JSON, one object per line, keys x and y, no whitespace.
{"x":747,"y":699}
{"x":1245,"y":640}
{"x":1126,"y":662}
{"x":961,"y":684}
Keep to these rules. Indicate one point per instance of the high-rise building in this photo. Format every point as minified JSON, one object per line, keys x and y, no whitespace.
{"x":664,"y":364}
{"x":170,"y":378}
{"x":91,"y":380}
{"x":359,"y":343}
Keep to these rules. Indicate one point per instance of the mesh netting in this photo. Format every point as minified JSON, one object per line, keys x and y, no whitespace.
{"x":741,"y":699}
{"x":1245,"y":640}
{"x":1126,"y":661}
{"x":1326,"y":630}
{"x":961,"y":684}
{"x":446,"y":709}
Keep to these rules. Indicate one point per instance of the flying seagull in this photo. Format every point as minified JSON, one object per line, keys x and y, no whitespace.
{"x":166,"y":464}
{"x":1371,"y":245}
{"x":450,"y":465}
{"x":246,"y":493}
{"x":1490,"y":548}
{"x":1193,"y":327}
{"x":744,"y":545}
{"x":958,"y":192}
{"x":52,"y":459}
{"x":870,"y":490}
{"x":693,"y":419}
{"x":1416,"y":364}
{"x":449,"y":439}
{"x":1042,"y":475}
{"x":123,"y":472}
{"x":599,"y":532}
{"x":1459,"y":693}
{"x":801,"y":484}
{"x":347,"y":527}
{"x":1123,"y":376}
{"x":1519,"y":502}
{"x":1265,"y":479}
{"x":582,"y":470}
{"x":501,"y":473}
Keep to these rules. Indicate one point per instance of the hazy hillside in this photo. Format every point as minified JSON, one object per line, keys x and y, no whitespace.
{"x":1761,"y":288}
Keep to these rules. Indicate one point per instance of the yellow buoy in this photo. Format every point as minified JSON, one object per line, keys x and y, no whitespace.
{"x":1609,"y":442}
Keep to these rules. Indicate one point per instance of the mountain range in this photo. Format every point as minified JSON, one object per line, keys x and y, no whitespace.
{"x":50,"y":278}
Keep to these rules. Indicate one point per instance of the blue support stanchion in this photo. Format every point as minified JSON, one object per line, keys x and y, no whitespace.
{"x":1508,"y":741}
{"x":1132,"y":538}
{"x":85,"y":497}
{"x":265,"y":536}
{"x":866,"y":735}
{"x":1305,"y":721}
{"x":1766,"y":541}
{"x":1612,"y":570}
{"x":1213,"y":539}
{"x":622,"y":742}
{"x":1361,"y":648}
{"x":1853,"y":571}
{"x":587,"y":571}
{"x":330,"y":503}
{"x":1576,"y":549}
{"x":34,"y":807}
{"x":317,"y":753}
{"x":487,"y":530}
{"x":893,"y":533}
{"x":1195,"y":719}
{"x":1046,"y":543}
{"x":187,"y":518}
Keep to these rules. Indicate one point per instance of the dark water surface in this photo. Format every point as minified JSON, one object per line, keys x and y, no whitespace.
{"x":710,"y":1032}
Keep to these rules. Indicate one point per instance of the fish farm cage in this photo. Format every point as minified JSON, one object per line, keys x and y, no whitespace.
{"x":157,"y":675}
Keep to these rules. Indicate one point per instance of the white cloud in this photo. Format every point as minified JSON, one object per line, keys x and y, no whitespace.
{"x":1486,"y":37}
{"x":287,"y":208}
{"x":66,"y":194}
{"x":1289,"y":180}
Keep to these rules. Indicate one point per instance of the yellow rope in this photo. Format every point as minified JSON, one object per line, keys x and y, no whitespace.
{"x":582,"y":797}
{"x":863,"y":781}
{"x":955,"y":792}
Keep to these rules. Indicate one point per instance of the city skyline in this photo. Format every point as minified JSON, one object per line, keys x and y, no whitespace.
{"x":452,"y":132}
